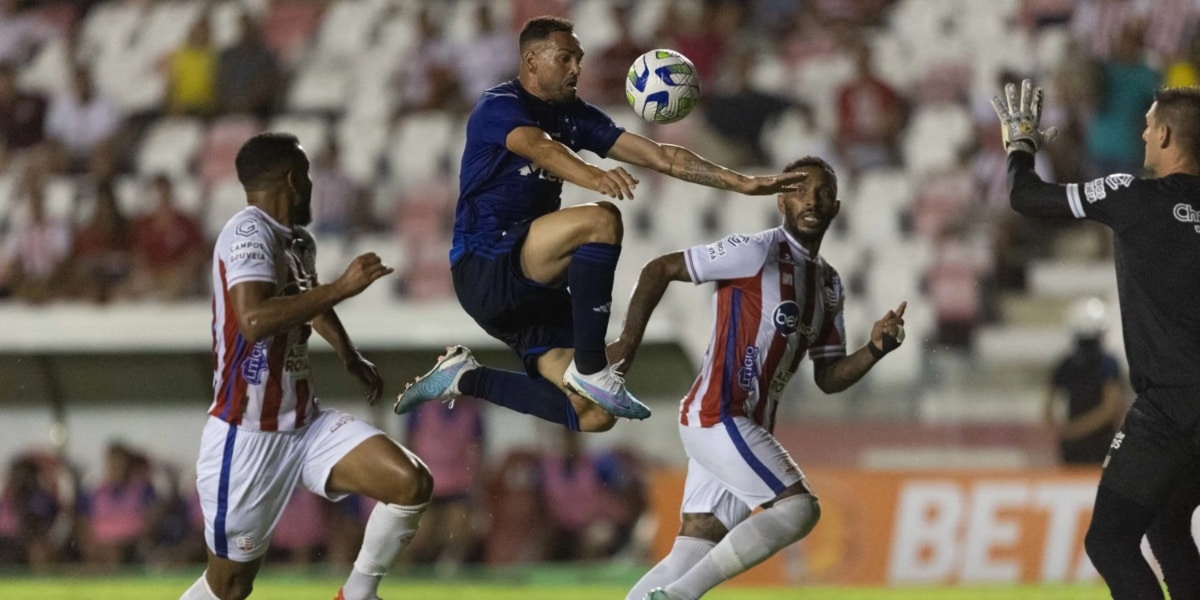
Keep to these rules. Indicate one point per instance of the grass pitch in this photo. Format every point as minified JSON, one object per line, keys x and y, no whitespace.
{"x":151,"y":587}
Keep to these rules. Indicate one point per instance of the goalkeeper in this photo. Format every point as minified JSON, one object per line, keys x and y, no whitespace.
{"x":1147,"y":486}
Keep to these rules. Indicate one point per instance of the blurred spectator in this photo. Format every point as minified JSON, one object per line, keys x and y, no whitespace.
{"x":488,"y":57}
{"x":117,"y":509}
{"x":302,"y":529}
{"x":340,"y":205}
{"x":1184,"y":70}
{"x":450,"y":441}
{"x":22,"y":119}
{"x":428,"y":77}
{"x":588,"y":520}
{"x":1099,"y":24}
{"x":34,"y":256}
{"x":518,"y":530}
{"x":738,"y":113}
{"x":101,"y":256}
{"x":1126,"y":88}
{"x":249,"y":76}
{"x":22,"y":31}
{"x":1091,"y":380}
{"x":604,"y":76}
{"x":29,"y":508}
{"x":173,"y":537}
{"x":870,"y":117}
{"x":169,"y":249}
{"x":701,"y":37}
{"x":83,"y":127}
{"x":192,"y":73}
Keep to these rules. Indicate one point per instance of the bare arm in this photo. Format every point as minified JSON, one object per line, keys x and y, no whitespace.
{"x":682,"y":163}
{"x":261,"y":314}
{"x":649,"y":290}
{"x":538,"y":147}
{"x":329,"y":326}
{"x":834,"y":375}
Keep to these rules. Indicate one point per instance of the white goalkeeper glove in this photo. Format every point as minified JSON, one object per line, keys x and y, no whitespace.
{"x":1021,"y":117}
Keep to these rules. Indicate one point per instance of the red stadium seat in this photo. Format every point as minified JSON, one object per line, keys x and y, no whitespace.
{"x":289,"y":24}
{"x":225,"y":136}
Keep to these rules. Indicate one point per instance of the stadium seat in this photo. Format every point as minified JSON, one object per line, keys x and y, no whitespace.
{"x":289,"y":24}
{"x":420,"y":147}
{"x":165,"y":27}
{"x":221,"y":143}
{"x":361,"y":142}
{"x":321,"y":85}
{"x":170,"y":146}
{"x":745,"y":214}
{"x":313,"y":132}
{"x":347,"y":29}
{"x":224,"y":201}
{"x":950,"y":124}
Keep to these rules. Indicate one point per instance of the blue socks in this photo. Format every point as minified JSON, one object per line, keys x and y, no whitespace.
{"x":522,"y":393}
{"x":590,"y":279}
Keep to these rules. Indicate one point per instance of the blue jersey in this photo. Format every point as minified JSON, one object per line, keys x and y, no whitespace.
{"x":498,"y":188}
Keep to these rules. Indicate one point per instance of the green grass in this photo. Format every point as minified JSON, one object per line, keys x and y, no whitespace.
{"x":323,"y":588}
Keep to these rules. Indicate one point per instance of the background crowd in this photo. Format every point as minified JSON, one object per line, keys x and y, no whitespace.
{"x":119,"y":120}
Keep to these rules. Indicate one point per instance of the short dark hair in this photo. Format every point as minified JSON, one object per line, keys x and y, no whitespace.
{"x":1179,"y":108}
{"x":540,"y":28}
{"x":267,"y":157}
{"x":819,"y":163}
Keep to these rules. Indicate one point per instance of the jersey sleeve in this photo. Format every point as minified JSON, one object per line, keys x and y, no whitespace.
{"x":597,"y":131}
{"x":831,"y":340}
{"x":248,"y":252}
{"x":1111,"y":200}
{"x":732,"y":257}
{"x":1109,"y":369}
{"x":497,"y":115}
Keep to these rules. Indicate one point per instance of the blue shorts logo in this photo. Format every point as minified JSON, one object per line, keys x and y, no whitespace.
{"x":255,"y":365}
{"x":786,"y":317}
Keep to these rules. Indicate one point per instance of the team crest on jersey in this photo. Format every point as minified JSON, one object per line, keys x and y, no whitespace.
{"x":1118,"y":180}
{"x":246,"y":228}
{"x":736,"y":240}
{"x":786,"y":317}
{"x":245,"y":542}
{"x":255,"y":365}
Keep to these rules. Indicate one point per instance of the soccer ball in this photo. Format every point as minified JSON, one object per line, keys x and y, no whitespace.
{"x":662,"y":86}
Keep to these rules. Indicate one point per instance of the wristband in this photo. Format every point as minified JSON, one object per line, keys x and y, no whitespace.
{"x":876,"y":352}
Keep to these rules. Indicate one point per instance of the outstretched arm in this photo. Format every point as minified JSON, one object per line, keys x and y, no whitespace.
{"x":651,"y":284}
{"x":555,"y":157}
{"x":836,"y":374}
{"x":1032,"y":197}
{"x":681,"y":163}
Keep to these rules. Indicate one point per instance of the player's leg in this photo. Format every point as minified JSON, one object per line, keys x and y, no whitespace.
{"x":584,"y":243}
{"x":752,"y":465}
{"x":707,"y":513}
{"x":347,"y":456}
{"x":224,"y":579}
{"x":1144,"y":461}
{"x":1170,"y":536}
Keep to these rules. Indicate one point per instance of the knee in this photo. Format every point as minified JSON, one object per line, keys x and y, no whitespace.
{"x":804,"y":516}
{"x":604,"y":223}
{"x":413,"y":484}
{"x":234,"y":587}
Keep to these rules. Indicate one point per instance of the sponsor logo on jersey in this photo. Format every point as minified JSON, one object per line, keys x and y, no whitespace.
{"x":748,"y":373}
{"x":296,"y":361}
{"x":540,"y":173}
{"x":341,"y":421}
{"x":1118,"y":180}
{"x":716,"y":250}
{"x":255,"y":365}
{"x":247,"y":251}
{"x":786,"y":317}
{"x":1094,"y":190}
{"x":246,"y":228}
{"x":736,"y":240}
{"x":1185,"y":213}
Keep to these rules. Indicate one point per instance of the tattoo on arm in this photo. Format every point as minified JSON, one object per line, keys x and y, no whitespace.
{"x":702,"y":172}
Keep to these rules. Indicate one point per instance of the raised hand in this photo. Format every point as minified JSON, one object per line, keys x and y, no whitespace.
{"x":365,"y":371}
{"x":617,"y":183}
{"x":1021,"y":117}
{"x":362,"y":272}
{"x":888,"y":332}
{"x":763,"y":185}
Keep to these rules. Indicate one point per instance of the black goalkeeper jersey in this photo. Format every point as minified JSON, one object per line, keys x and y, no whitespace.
{"x":1156,"y":229}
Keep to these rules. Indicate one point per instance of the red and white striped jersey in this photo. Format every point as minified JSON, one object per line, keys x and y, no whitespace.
{"x":774,"y":302}
{"x":262,"y":386}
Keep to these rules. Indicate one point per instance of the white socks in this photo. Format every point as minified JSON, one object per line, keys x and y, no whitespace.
{"x":200,"y":590}
{"x":686,"y":552}
{"x":389,"y":529}
{"x":749,"y":543}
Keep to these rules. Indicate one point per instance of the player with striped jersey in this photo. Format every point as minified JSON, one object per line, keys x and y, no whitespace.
{"x":776,"y":300}
{"x":266,"y":433}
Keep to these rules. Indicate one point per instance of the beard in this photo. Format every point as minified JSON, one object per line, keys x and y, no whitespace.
{"x":302,"y":213}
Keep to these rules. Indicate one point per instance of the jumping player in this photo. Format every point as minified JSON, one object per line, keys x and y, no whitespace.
{"x":515,"y":254}
{"x":266,"y":433}
{"x":1149,"y":483}
{"x":776,"y":299}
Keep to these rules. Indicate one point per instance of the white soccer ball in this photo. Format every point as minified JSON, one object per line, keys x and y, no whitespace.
{"x":662,"y":86}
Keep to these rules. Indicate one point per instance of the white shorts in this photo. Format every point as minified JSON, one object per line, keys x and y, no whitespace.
{"x":245,"y":477}
{"x":734,"y":466}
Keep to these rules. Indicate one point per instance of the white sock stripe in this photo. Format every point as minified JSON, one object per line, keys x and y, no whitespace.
{"x":1073,"y":200}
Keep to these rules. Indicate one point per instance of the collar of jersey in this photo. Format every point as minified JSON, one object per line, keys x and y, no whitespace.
{"x":276,"y":225}
{"x":795,"y":244}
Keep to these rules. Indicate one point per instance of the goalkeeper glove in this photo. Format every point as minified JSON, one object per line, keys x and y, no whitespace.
{"x":1021,"y":117}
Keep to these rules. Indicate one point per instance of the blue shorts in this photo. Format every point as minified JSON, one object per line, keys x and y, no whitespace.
{"x":530,"y":317}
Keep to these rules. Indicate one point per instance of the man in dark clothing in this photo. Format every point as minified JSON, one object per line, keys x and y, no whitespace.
{"x":1149,"y":471}
{"x":1091,"y":380}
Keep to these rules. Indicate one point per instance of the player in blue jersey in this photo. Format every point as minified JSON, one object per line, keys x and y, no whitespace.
{"x":516,"y":254}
